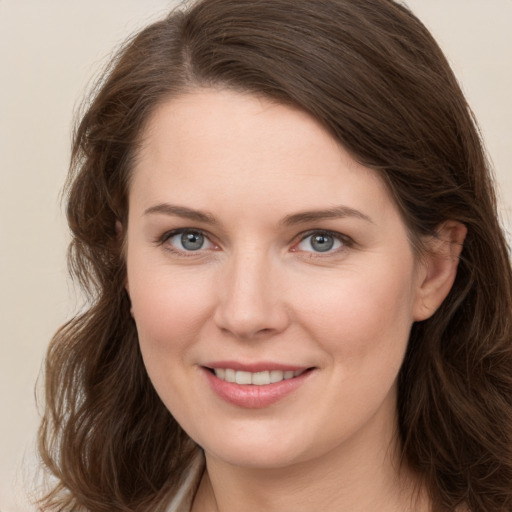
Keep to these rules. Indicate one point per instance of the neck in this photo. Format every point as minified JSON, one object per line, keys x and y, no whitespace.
{"x":362,"y":475}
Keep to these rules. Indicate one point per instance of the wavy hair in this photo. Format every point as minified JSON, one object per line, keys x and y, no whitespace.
{"x":372,"y":74}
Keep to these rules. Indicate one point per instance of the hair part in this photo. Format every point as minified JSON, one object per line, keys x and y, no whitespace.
{"x":372,"y":74}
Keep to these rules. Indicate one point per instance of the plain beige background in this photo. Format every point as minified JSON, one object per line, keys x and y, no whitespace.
{"x":49,"y":50}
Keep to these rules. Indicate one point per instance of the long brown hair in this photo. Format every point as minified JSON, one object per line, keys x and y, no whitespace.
{"x":372,"y":74}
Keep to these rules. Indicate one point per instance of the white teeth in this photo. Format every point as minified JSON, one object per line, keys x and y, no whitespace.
{"x":261,"y":378}
{"x":257,"y":378}
{"x":243,"y":377}
{"x":276,"y":376}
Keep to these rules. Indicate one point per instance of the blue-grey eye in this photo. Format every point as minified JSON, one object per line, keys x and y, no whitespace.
{"x":319,"y":242}
{"x":189,"y":241}
{"x":192,"y":240}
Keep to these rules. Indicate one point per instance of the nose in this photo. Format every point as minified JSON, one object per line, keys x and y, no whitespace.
{"x":251,"y":297}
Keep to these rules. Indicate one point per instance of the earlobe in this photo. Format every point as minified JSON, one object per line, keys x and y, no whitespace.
{"x":119,"y":229}
{"x":439,"y":268}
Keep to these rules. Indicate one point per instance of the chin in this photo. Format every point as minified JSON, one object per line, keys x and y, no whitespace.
{"x":262,"y":448}
{"x":256,"y":456}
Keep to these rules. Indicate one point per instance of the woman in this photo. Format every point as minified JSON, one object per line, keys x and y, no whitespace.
{"x":300,"y":295}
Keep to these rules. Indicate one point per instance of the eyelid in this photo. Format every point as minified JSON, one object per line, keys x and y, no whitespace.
{"x":164,"y":238}
{"x":344,"y":239}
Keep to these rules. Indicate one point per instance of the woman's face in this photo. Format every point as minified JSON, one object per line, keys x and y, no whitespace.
{"x":259,"y":251}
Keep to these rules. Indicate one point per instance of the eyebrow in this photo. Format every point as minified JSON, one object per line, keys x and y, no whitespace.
{"x":337,"y":212}
{"x":181,"y":211}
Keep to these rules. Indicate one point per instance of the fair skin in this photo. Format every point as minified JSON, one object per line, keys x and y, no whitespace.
{"x":256,"y":243}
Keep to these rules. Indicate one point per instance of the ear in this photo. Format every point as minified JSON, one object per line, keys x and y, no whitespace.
{"x":438,"y":268}
{"x":119,"y":229}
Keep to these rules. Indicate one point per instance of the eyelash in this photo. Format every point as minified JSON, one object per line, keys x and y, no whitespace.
{"x":162,"y":241}
{"x":346,"y":241}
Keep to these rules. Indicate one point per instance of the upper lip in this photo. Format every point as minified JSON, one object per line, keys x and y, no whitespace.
{"x":255,"y":367}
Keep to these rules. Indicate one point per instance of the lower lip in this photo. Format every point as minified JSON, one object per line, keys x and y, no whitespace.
{"x":250,"y":396}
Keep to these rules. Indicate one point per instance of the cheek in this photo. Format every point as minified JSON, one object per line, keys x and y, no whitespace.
{"x":365,"y":314}
{"x":169,"y":312}
{"x":169,"y":308}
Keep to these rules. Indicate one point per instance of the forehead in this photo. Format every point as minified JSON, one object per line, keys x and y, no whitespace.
{"x":220,"y":145}
{"x":213,"y":118}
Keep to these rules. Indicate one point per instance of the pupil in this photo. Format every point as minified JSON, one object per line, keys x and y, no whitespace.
{"x":322,"y":243}
{"x":192,"y":241}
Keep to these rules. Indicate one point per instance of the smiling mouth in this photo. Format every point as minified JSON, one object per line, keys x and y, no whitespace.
{"x":262,"y":387}
{"x":263,"y":378}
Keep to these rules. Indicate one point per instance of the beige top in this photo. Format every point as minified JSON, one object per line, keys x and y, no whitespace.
{"x":182,"y":501}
